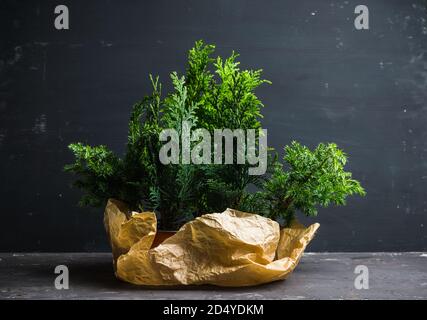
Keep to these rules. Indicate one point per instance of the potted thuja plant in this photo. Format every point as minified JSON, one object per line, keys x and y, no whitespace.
{"x":214,"y":93}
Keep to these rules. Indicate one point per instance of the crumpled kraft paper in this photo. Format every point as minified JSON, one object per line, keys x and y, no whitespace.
{"x":232,"y":248}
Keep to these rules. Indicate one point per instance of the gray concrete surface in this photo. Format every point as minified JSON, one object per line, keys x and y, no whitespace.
{"x":318,"y":276}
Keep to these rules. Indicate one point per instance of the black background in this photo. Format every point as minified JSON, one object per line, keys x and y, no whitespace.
{"x":365,"y":90}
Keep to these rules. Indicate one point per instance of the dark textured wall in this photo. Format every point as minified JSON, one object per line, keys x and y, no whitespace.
{"x":365,"y":90}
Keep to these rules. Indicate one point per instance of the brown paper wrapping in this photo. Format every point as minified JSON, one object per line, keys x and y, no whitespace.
{"x":232,"y":248}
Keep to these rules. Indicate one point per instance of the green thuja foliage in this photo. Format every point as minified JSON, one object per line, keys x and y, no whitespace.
{"x":226,"y":96}
{"x":99,"y":173}
{"x":214,"y":93}
{"x":307,"y":179}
